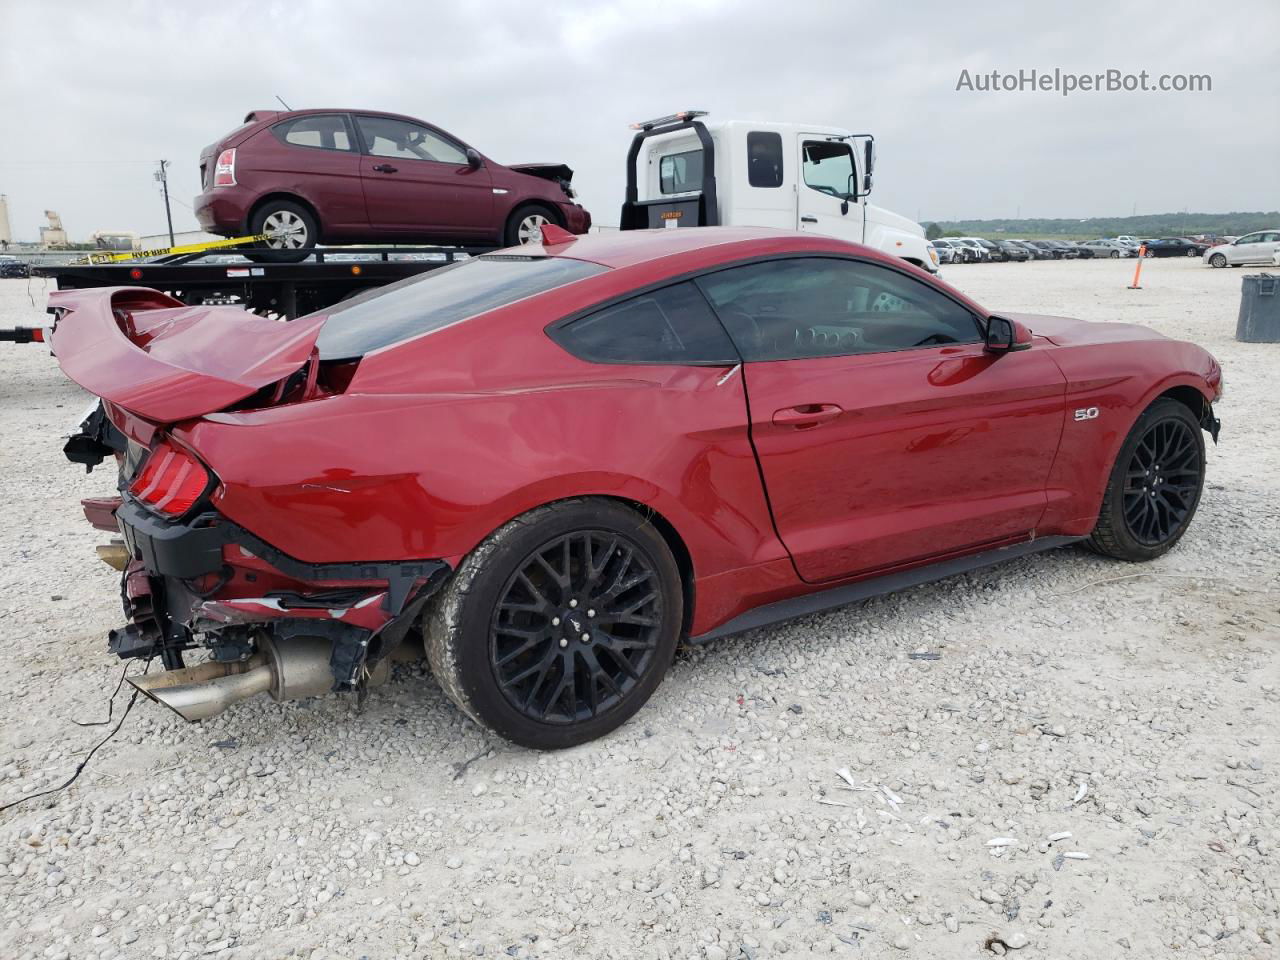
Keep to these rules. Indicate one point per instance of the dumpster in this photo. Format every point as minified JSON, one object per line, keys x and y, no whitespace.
{"x":1259,"y":309}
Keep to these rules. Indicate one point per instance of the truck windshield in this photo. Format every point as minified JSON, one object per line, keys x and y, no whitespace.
{"x":828,"y":168}
{"x":438,"y":298}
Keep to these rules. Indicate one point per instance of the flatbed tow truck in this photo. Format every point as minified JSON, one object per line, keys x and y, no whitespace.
{"x":283,"y":290}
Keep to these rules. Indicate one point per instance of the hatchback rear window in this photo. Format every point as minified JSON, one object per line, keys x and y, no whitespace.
{"x":442,"y":297}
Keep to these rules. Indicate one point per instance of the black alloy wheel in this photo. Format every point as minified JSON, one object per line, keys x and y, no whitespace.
{"x":576,"y":626}
{"x":1154,"y":488}
{"x":561,"y":624}
{"x":1162,"y":482}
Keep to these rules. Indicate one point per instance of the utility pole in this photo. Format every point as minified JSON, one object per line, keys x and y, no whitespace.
{"x":163,"y":176}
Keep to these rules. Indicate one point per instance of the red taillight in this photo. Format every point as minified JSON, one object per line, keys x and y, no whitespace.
{"x":224,"y":174}
{"x":171,"y":481}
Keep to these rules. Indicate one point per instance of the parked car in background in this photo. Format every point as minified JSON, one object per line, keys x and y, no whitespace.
{"x":1260,"y":247}
{"x":1108,"y":248}
{"x":304,"y":177}
{"x":975,"y":247}
{"x":1013,"y":251}
{"x":1068,"y":251}
{"x":1082,"y":252}
{"x":1175,"y":247}
{"x":1036,"y":253}
{"x":471,"y":453}
{"x":13,"y":267}
{"x":994,"y":253}
{"x":961,"y":252}
{"x":1049,"y":251}
{"x":946,"y":252}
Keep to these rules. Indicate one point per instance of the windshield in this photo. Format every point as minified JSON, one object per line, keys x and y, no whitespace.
{"x":441,"y":297}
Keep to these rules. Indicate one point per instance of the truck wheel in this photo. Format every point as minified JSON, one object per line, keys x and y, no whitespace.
{"x":525,"y":225}
{"x":560,"y":625}
{"x":288,"y":227}
{"x":1154,"y":487}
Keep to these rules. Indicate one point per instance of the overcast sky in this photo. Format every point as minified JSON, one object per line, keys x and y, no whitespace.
{"x":92,"y":94}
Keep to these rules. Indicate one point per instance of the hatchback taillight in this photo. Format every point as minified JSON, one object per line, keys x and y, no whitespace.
{"x":224,"y":173}
{"x":171,"y":481}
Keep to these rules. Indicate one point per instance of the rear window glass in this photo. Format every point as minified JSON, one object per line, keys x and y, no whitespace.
{"x":442,"y":297}
{"x":680,"y":172}
{"x":324,"y":132}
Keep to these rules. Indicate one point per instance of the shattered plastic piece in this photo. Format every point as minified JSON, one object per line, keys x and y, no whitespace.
{"x":1058,"y":861}
{"x":893,"y":797}
{"x":1002,"y":842}
{"x":1081,"y":791}
{"x":1064,"y":835}
{"x":1076,"y":855}
{"x":832,"y":803}
{"x":844,"y":774}
{"x":924,"y":656}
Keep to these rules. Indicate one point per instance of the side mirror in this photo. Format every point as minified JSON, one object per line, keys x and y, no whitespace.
{"x":473,"y":159}
{"x":1006,"y":336}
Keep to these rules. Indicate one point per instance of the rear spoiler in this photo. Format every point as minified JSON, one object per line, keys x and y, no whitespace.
{"x":637,"y":215}
{"x":164,"y":361}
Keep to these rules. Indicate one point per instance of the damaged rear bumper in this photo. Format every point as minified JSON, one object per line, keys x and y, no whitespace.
{"x":207,"y":582}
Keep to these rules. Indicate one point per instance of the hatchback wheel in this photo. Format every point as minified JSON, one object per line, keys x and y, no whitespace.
{"x":560,"y":625}
{"x":1218,"y":260}
{"x":1155,"y":485}
{"x":288,"y":227}
{"x":525,"y":225}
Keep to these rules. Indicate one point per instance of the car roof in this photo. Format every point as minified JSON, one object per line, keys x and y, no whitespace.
{"x":625,"y":248}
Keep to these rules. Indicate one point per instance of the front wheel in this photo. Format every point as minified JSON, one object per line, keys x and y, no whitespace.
{"x":1115,"y":254}
{"x":1155,"y":485}
{"x":560,"y":625}
{"x":1218,"y":260}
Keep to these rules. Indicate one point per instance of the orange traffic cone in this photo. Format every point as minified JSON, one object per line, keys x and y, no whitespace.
{"x":1137,"y":271}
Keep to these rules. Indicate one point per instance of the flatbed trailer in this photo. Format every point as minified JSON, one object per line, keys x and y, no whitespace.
{"x":284,"y":290}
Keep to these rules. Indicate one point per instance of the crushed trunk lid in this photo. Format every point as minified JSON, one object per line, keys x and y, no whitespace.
{"x":163,"y":361}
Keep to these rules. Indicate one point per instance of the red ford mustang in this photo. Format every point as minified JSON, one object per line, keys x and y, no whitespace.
{"x":557,"y":461}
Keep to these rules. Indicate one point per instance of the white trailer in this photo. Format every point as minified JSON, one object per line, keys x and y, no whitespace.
{"x":684,"y":172}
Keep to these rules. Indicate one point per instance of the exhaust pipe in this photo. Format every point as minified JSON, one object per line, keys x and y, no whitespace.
{"x":289,"y":669}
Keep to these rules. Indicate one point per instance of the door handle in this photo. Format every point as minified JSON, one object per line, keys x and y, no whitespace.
{"x":808,"y":219}
{"x":384,"y":168}
{"x":806,"y":415}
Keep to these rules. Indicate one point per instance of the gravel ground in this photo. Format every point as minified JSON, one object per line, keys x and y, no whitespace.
{"x":1134,"y":707}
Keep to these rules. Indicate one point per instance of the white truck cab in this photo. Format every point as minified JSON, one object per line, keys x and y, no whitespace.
{"x":686,"y":172}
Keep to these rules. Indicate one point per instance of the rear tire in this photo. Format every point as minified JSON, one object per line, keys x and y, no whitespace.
{"x":288,"y":227}
{"x":524,"y":226}
{"x":1155,"y":485}
{"x":559,"y":626}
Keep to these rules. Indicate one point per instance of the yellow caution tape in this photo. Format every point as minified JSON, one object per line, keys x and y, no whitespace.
{"x":96,"y":258}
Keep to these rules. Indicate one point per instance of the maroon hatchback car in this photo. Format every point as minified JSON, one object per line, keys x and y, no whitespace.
{"x":358,"y":176}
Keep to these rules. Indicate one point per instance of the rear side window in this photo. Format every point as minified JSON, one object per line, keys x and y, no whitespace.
{"x":680,"y":172}
{"x":673,"y":325}
{"x":764,"y":159}
{"x":323,"y":132}
{"x":440,"y":298}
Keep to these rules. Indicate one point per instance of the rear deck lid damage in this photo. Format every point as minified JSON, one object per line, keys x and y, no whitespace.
{"x":165,"y":362}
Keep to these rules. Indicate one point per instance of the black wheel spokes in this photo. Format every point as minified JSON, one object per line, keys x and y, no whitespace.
{"x":576,"y":627}
{"x":1161,"y":482}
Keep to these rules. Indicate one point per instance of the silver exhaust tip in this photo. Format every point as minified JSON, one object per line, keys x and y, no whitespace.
{"x":288,"y":670}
